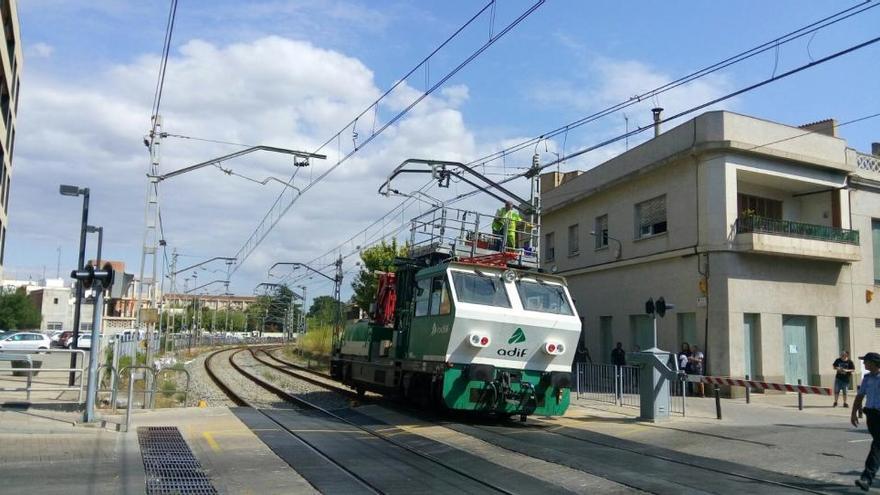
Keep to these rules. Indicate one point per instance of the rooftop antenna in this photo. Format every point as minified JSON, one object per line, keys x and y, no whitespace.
{"x":58,"y":266}
{"x":626,"y":139}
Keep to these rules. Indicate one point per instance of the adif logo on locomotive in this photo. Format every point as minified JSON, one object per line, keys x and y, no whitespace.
{"x":518,"y":337}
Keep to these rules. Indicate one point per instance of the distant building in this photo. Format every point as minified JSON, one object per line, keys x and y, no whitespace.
{"x":213,"y":302}
{"x":766,"y":237}
{"x":54,"y":305}
{"x":10,"y":68}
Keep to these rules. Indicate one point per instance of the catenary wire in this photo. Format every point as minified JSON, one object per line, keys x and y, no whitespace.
{"x":257,"y":236}
{"x":744,"y":55}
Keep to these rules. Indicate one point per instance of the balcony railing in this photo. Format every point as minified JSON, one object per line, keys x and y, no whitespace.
{"x":763,"y":225}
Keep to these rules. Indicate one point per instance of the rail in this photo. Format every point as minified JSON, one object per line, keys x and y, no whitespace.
{"x":27,"y":357}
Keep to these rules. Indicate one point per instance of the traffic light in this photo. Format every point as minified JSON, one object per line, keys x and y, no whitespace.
{"x":660,"y":307}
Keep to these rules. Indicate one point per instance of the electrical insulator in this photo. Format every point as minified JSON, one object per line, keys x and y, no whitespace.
{"x":536,"y":161}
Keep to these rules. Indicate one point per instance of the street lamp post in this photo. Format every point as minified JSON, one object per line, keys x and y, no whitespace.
{"x":67,"y":190}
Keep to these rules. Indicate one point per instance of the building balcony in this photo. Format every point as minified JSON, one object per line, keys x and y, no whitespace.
{"x":803,"y":240}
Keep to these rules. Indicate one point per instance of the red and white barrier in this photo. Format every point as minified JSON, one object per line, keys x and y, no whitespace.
{"x":783,"y":387}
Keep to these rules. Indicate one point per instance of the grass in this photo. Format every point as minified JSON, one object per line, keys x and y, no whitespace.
{"x":317,"y":341}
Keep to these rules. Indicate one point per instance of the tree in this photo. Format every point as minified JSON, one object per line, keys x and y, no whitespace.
{"x":17,"y":311}
{"x":379,"y":258}
{"x":324,"y":309}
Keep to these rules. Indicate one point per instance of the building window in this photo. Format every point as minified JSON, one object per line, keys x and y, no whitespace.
{"x":762,"y":207}
{"x":85,"y":327}
{"x":54,"y":325}
{"x":651,"y":217}
{"x":55,"y":300}
{"x":549,"y":247}
{"x":573,"y":240}
{"x":601,"y":232}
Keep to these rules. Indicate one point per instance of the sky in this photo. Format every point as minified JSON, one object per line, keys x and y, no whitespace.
{"x":293,"y":74}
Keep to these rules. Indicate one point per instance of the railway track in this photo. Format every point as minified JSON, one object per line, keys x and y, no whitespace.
{"x":647,"y":468}
{"x":371,"y":461}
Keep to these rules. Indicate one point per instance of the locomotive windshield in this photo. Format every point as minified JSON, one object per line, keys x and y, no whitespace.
{"x":480,"y":289}
{"x":543,"y":297}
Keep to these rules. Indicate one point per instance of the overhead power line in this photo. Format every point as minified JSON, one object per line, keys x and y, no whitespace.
{"x":703,"y":72}
{"x":287,"y":197}
{"x":163,"y":64}
{"x":690,"y":110}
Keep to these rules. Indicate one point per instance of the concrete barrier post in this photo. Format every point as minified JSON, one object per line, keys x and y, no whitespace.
{"x":748,"y":392}
{"x":718,"y":401}
{"x":800,"y":397}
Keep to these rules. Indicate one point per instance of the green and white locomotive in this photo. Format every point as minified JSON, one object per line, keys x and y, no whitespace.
{"x":465,"y":323}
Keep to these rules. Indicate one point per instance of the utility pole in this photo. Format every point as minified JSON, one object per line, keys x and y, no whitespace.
{"x":146,"y":288}
{"x":304,"y":312}
{"x":337,"y":289}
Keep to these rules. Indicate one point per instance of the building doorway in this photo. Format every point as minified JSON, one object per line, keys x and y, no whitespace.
{"x":796,"y":348}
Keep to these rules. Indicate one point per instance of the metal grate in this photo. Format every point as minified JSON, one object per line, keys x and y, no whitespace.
{"x":170,"y":465}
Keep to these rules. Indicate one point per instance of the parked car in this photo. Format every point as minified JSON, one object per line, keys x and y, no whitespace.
{"x":85,"y":341}
{"x":65,"y":339}
{"x":26,"y":341}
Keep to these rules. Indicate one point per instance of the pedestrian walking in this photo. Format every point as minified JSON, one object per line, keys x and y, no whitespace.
{"x":870,"y":387}
{"x":844,"y":368}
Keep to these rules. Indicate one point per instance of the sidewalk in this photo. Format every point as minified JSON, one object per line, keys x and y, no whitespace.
{"x":770,"y":433}
{"x":49,"y":453}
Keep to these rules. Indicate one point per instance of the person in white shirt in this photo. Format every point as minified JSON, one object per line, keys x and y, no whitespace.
{"x":870,"y":387}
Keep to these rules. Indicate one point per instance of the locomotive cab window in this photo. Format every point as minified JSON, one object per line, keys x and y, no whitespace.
{"x":423,"y":296}
{"x":439,"y":297}
{"x":543,"y":297}
{"x":432,"y":297}
{"x":476,"y":288}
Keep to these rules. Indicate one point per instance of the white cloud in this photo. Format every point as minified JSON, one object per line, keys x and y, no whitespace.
{"x":269,"y":91}
{"x":40,"y":50}
{"x":604,"y":82}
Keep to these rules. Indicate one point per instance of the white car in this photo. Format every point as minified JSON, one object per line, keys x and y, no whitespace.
{"x":85,"y":341}
{"x":25,"y":341}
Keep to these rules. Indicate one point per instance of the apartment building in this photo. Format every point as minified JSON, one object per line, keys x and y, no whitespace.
{"x":10,"y":83}
{"x":766,"y":237}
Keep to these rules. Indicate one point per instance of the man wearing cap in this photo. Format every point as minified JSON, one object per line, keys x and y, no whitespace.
{"x":870,"y":387}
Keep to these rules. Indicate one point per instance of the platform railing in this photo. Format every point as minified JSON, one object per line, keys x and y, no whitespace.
{"x":29,"y":357}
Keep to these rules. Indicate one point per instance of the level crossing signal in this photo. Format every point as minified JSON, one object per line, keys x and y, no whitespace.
{"x":660,"y":307}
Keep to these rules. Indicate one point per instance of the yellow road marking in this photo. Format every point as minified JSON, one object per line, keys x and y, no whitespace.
{"x":210,"y":439}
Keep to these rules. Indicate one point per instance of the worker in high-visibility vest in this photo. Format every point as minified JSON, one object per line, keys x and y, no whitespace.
{"x":506,"y":217}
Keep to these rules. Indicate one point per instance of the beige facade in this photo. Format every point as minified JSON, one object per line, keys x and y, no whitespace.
{"x":10,"y":79}
{"x":213,"y":302}
{"x":759,"y":233}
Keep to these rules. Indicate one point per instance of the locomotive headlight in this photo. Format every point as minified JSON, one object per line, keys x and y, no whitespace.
{"x":554,"y":348}
{"x":478,"y":340}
